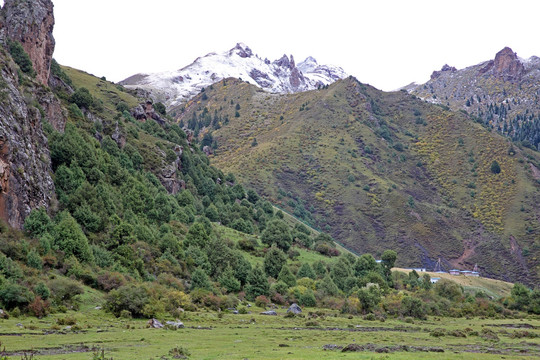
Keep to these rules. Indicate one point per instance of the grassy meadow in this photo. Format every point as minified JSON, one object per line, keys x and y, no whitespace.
{"x":314,"y":334}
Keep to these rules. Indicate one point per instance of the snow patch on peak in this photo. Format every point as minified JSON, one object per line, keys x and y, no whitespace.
{"x":280,"y":76}
{"x":308,"y":65}
{"x":241,"y":50}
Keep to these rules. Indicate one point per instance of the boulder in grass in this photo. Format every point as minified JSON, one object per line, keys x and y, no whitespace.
{"x":295,"y":309}
{"x":175,"y":324}
{"x":270,"y":312}
{"x":154,"y":323}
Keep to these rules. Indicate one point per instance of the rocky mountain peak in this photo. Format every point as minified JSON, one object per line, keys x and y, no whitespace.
{"x":445,"y":68}
{"x":31,"y":23}
{"x":506,"y":65}
{"x":241,"y":50}
{"x":240,"y":62}
{"x":285,"y":62}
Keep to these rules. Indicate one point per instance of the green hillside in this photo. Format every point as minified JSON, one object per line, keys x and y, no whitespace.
{"x":380,"y":170}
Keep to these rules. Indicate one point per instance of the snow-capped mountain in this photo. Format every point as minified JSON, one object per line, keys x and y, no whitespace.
{"x":279,"y":76}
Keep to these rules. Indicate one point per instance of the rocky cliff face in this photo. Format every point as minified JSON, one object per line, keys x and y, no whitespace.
{"x":25,"y":164}
{"x":506,"y":65}
{"x":31,"y":23}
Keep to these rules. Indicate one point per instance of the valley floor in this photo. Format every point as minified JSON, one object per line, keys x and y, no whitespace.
{"x":208,"y":335}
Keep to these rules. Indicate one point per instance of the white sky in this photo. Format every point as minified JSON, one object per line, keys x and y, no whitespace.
{"x":385,"y":43}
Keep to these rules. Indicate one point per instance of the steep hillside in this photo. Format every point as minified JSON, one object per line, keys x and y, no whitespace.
{"x":380,"y":170}
{"x":501,"y":93}
{"x":279,"y":76}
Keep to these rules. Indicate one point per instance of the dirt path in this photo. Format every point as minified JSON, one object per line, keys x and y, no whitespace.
{"x":469,"y":246}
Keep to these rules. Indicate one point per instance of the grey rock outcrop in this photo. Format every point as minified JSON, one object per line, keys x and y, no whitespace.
{"x":295,"y":309}
{"x":31,"y":23}
{"x":25,"y":164}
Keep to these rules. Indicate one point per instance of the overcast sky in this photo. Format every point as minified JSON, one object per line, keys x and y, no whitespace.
{"x":385,"y":43}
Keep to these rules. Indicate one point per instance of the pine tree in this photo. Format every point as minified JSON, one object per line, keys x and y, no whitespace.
{"x":287,"y":276}
{"x":199,"y":280}
{"x":327,"y":286}
{"x":306,"y":271}
{"x":274,"y":261}
{"x":257,"y":283}
{"x":228,"y":281}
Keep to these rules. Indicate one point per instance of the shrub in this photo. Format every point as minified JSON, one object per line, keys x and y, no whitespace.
{"x":63,"y":290}
{"x":34,"y":260}
{"x":326,"y":250}
{"x":110,"y":280}
{"x":262,"y":301}
{"x":21,"y":58}
{"x":14,"y":295}
{"x":82,"y":98}
{"x":308,"y":299}
{"x":414,"y":307}
{"x":287,"y":276}
{"x":68,"y":320}
{"x":42,"y":291}
{"x":132,"y":298}
{"x":247,"y":244}
{"x":229,"y":281}
{"x":70,"y":239}
{"x":495,"y":167}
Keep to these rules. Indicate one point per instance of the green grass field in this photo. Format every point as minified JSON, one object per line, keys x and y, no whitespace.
{"x":208,"y":335}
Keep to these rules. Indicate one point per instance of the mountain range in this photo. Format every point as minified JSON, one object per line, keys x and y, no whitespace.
{"x":502,"y":93}
{"x":279,"y":76}
{"x":380,"y":170}
{"x":423,"y":171}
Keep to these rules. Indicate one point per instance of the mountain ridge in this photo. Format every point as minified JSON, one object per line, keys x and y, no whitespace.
{"x":375,"y":168}
{"x":280,"y":76}
{"x":501,"y":93}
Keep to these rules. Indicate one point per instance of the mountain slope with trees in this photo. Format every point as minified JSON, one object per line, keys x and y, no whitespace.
{"x":501,"y":93}
{"x":379,"y":170}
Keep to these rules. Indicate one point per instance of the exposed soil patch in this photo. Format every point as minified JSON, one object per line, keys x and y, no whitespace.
{"x":515,"y":326}
{"x":389,"y":349}
{"x":50,"y":351}
{"x":356,"y":329}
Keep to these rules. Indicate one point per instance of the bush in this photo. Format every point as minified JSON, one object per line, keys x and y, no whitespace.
{"x":495,"y":167}
{"x":132,"y":298}
{"x":110,"y":280}
{"x":262,"y":301}
{"x":70,"y":239}
{"x":200,"y":280}
{"x":21,"y":58}
{"x":63,"y":290}
{"x":326,"y":250}
{"x":308,"y":299}
{"x":42,"y":291}
{"x":247,"y":244}
{"x":414,"y":307}
{"x":82,"y":98}
{"x":14,"y":295}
